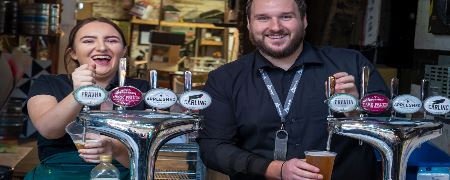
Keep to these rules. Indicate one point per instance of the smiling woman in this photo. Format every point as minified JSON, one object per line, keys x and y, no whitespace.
{"x":95,"y":47}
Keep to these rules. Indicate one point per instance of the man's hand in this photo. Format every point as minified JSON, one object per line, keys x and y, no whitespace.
{"x":345,"y":83}
{"x":293,"y":169}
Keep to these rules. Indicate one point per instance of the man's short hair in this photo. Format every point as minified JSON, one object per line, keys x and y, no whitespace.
{"x":301,"y":4}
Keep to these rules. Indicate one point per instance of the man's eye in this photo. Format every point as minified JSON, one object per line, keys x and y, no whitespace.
{"x":287,"y":17}
{"x":262,"y":18}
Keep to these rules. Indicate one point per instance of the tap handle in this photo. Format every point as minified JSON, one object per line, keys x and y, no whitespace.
{"x":187,"y":81}
{"x":394,"y":87}
{"x":364,"y":80}
{"x":153,"y":79}
{"x":122,"y":71}
{"x":424,"y":89}
{"x":330,"y":89}
{"x":394,"y":93}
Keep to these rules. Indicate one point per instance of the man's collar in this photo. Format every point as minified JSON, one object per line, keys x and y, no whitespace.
{"x":307,"y":56}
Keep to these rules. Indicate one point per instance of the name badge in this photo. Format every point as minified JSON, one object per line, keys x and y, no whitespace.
{"x":342,"y":103}
{"x":437,"y":105}
{"x":160,"y":98}
{"x":90,"y":95}
{"x":406,"y":104}
{"x":195,"y":100}
{"x":126,"y":96}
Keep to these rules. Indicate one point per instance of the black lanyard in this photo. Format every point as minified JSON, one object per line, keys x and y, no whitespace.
{"x":281,"y":136}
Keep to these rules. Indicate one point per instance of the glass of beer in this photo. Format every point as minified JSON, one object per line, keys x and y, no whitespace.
{"x":75,"y":131}
{"x":324,"y":160}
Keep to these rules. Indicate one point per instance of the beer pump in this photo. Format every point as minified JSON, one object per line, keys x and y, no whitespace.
{"x":144,"y":132}
{"x":395,"y":137}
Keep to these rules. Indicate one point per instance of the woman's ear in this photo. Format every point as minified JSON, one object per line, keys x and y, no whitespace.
{"x":125,"y":51}
{"x":72,"y":54}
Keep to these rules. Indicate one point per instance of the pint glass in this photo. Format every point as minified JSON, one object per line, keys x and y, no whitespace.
{"x":324,"y":160}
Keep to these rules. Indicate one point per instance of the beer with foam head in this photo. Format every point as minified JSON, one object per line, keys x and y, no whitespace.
{"x":324,"y":160}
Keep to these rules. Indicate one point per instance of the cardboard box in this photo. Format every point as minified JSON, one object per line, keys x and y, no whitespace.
{"x":163,"y":57}
{"x":387,"y":73}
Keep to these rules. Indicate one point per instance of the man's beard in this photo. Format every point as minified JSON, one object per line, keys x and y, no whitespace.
{"x":289,"y":50}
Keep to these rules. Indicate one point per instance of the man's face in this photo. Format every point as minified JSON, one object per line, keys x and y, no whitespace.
{"x":276,"y":27}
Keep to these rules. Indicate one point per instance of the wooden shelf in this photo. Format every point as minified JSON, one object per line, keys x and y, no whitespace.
{"x":210,"y":43}
{"x":175,"y":24}
{"x":146,"y":22}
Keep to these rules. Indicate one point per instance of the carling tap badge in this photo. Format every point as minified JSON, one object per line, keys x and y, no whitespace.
{"x":437,"y":105}
{"x":195,"y":100}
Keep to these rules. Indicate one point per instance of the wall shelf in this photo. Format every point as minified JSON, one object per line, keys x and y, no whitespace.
{"x":155,"y":22}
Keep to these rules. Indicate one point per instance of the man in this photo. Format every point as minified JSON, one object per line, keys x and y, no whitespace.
{"x":239,"y":138}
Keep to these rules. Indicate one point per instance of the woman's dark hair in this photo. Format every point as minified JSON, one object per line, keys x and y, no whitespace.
{"x":74,"y":31}
{"x":301,"y":4}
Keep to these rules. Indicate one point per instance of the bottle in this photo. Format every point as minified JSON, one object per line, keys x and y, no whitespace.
{"x":105,"y":170}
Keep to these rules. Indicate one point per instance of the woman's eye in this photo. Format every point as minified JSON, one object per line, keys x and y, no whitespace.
{"x":112,"y":40}
{"x":87,"y":41}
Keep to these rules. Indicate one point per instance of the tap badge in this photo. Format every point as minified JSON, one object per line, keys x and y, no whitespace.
{"x":90,"y":95}
{"x":195,"y":100}
{"x":406,"y":104}
{"x":126,"y":96}
{"x":375,"y":103}
{"x":160,"y":98}
{"x":438,"y":105}
{"x":342,"y":103}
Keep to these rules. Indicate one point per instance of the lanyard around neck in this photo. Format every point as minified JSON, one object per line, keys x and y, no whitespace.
{"x":282,"y":110}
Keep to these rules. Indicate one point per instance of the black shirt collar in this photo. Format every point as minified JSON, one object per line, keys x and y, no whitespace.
{"x":307,"y":56}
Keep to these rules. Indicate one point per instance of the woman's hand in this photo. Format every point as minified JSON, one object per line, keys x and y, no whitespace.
{"x":94,"y":148}
{"x":83,"y":76}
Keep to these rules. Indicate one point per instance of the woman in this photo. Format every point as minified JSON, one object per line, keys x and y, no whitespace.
{"x":95,"y":47}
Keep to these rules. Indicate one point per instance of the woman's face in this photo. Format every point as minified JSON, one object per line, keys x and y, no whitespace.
{"x":100,"y":44}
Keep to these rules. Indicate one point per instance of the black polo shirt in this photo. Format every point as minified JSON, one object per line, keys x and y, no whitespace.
{"x":60,"y":86}
{"x":239,"y":126}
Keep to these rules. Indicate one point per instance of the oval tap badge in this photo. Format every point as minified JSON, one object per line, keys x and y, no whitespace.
{"x":406,"y":104}
{"x":90,"y":95}
{"x":195,"y":100}
{"x":160,"y":98}
{"x":126,"y":96}
{"x":375,"y":103}
{"x":342,"y":103}
{"x":437,"y":105}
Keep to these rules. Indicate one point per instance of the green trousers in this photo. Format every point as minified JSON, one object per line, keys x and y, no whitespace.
{"x":68,"y":166}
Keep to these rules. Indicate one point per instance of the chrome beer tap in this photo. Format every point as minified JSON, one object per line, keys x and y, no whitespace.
{"x":424,"y":93}
{"x":122,"y":76}
{"x":153,"y":82}
{"x":364,"y":85}
{"x":394,"y":93}
{"x":330,"y":90}
{"x":394,"y":137}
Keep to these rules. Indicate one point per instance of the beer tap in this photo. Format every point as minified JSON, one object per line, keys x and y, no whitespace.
{"x":424,"y":92}
{"x":330,"y":90}
{"x":122,"y":75}
{"x":394,"y":93}
{"x":364,"y":85}
{"x":153,"y":82}
{"x":188,"y":84}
